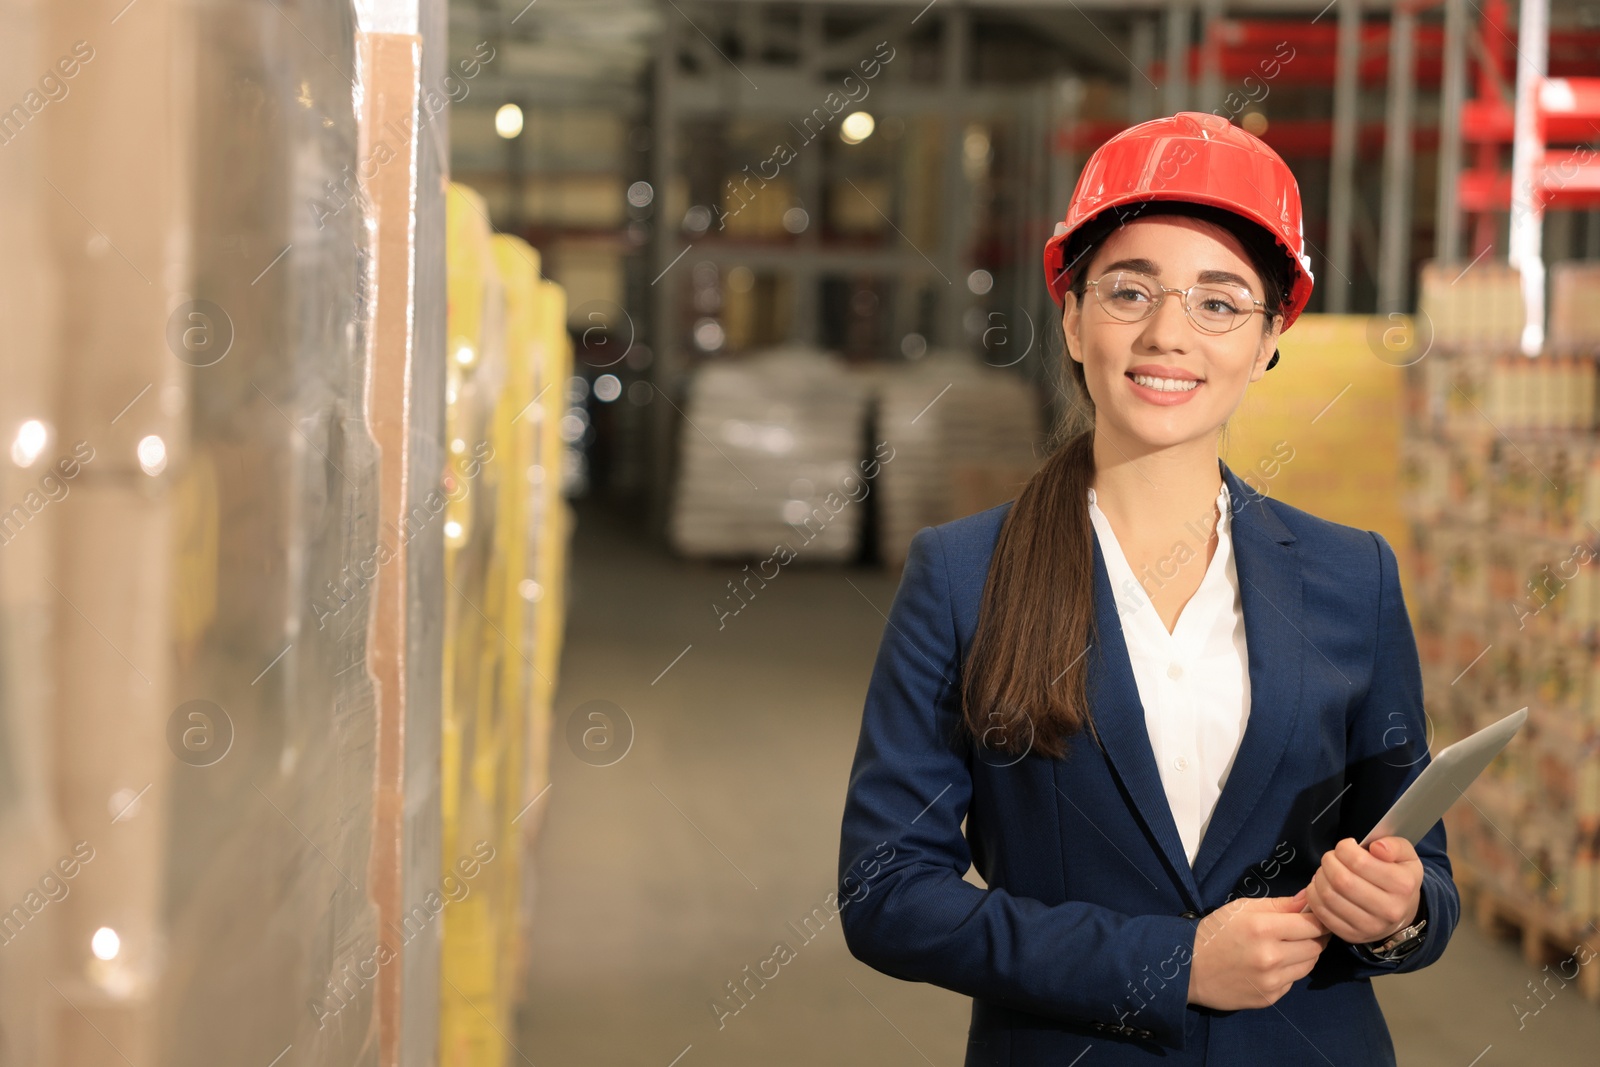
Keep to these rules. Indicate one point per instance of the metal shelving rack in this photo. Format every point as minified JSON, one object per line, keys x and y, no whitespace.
{"x":788,"y":59}
{"x":717,"y":60}
{"x":1544,"y":120}
{"x":1405,"y":61}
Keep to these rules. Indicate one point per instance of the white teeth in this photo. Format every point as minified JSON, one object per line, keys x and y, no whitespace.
{"x":1165,"y":385}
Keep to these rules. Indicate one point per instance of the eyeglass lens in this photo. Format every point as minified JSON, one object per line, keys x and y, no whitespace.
{"x":1131,"y":296}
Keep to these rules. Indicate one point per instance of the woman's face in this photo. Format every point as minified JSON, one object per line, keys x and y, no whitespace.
{"x":1175,"y":250}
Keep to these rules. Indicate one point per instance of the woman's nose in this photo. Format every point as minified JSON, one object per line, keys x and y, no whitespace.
{"x":1166,"y":327}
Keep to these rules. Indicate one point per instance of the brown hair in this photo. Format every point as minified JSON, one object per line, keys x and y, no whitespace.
{"x":1024,"y":684}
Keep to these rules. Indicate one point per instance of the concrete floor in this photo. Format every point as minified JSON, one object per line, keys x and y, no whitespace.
{"x":663,"y":874}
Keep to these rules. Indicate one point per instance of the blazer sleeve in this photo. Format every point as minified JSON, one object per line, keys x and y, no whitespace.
{"x":1386,"y":750}
{"x":905,"y":908}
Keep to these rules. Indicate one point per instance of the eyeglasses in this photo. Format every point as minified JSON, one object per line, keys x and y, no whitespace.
{"x":1131,"y":296}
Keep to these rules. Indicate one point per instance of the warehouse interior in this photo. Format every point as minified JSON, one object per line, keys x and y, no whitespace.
{"x":461,"y":458}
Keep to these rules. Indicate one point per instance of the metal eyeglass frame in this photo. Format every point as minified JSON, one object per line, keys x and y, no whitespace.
{"x":1188,"y":312}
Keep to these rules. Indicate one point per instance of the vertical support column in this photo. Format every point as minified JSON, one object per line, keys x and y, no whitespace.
{"x":752,"y":31}
{"x":1142,"y":54}
{"x":1210,"y":95}
{"x":1064,"y":105}
{"x":957,"y":204}
{"x":1342,"y":162}
{"x":1561,"y":240}
{"x":1527,"y":152}
{"x":1490,"y":45}
{"x":1452,"y":96}
{"x":1029,"y":182}
{"x":1175,"y":93}
{"x":807,"y":303}
{"x":1394,"y":264}
{"x":666,"y":246}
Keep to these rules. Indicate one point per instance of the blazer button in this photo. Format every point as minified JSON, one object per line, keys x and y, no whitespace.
{"x":1190,"y":915}
{"x":1147,"y":1034}
{"x":1098,"y":1025}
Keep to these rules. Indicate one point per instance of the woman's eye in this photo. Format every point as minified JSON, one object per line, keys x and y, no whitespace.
{"x":1215,"y":301}
{"x":1129,"y":295}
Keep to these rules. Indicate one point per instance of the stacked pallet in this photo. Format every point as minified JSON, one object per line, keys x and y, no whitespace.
{"x":965,"y":437}
{"x":1501,"y":470}
{"x":771,"y":455}
{"x":221,"y":732}
{"x":505,"y":529}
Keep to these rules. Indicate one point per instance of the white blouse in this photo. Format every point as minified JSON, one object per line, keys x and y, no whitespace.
{"x":1194,"y":681}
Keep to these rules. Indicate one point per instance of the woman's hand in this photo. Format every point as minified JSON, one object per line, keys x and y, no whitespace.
{"x":1249,"y":952}
{"x":1364,"y":896}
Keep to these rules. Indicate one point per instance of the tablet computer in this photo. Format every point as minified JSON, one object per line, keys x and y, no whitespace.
{"x":1443,"y":780}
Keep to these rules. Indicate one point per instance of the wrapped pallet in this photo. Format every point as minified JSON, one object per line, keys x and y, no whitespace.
{"x":550,"y":522}
{"x":772,"y":454}
{"x":965,"y":436}
{"x":472,"y":771}
{"x":505,"y":528}
{"x":204,"y":777}
{"x":1574,"y":308}
{"x":1480,"y":307}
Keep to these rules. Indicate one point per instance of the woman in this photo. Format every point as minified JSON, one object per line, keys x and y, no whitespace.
{"x":1154,"y":708}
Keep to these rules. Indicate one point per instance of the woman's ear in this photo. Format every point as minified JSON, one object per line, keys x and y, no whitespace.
{"x":1269,"y":347}
{"x":1071,"y":315}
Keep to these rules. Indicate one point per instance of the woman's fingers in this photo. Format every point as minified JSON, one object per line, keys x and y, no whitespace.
{"x":1305,"y":950}
{"x":1302,"y":927}
{"x":1354,"y":886}
{"x":1394,"y":871}
{"x":1249,"y":952}
{"x":1360,"y":895}
{"x":1342,"y":918}
{"x":1394,"y":850}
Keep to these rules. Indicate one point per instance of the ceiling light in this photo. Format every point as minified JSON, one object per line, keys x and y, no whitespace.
{"x":508,"y":121}
{"x":856,"y":127}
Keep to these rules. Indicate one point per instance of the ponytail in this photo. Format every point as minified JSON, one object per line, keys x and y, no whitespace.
{"x":1024,"y":683}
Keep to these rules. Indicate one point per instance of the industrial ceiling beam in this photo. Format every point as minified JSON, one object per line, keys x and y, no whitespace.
{"x":1234,"y":6}
{"x":1080,"y":38}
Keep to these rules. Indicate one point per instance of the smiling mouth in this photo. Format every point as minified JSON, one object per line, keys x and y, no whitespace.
{"x":1165,"y":385}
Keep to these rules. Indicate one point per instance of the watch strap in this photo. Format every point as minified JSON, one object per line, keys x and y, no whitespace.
{"x":1401,"y":943}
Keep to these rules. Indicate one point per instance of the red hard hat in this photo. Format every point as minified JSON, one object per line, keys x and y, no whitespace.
{"x":1199,"y":158}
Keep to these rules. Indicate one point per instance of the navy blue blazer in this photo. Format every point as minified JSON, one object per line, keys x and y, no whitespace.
{"x":1085,"y":933}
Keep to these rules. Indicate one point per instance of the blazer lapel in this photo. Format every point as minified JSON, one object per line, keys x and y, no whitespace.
{"x":1119,"y":719}
{"x":1268,"y":566}
{"x":1269,"y":584}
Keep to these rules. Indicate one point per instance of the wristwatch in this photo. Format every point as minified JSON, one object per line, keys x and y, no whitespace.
{"x":1400,"y":944}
